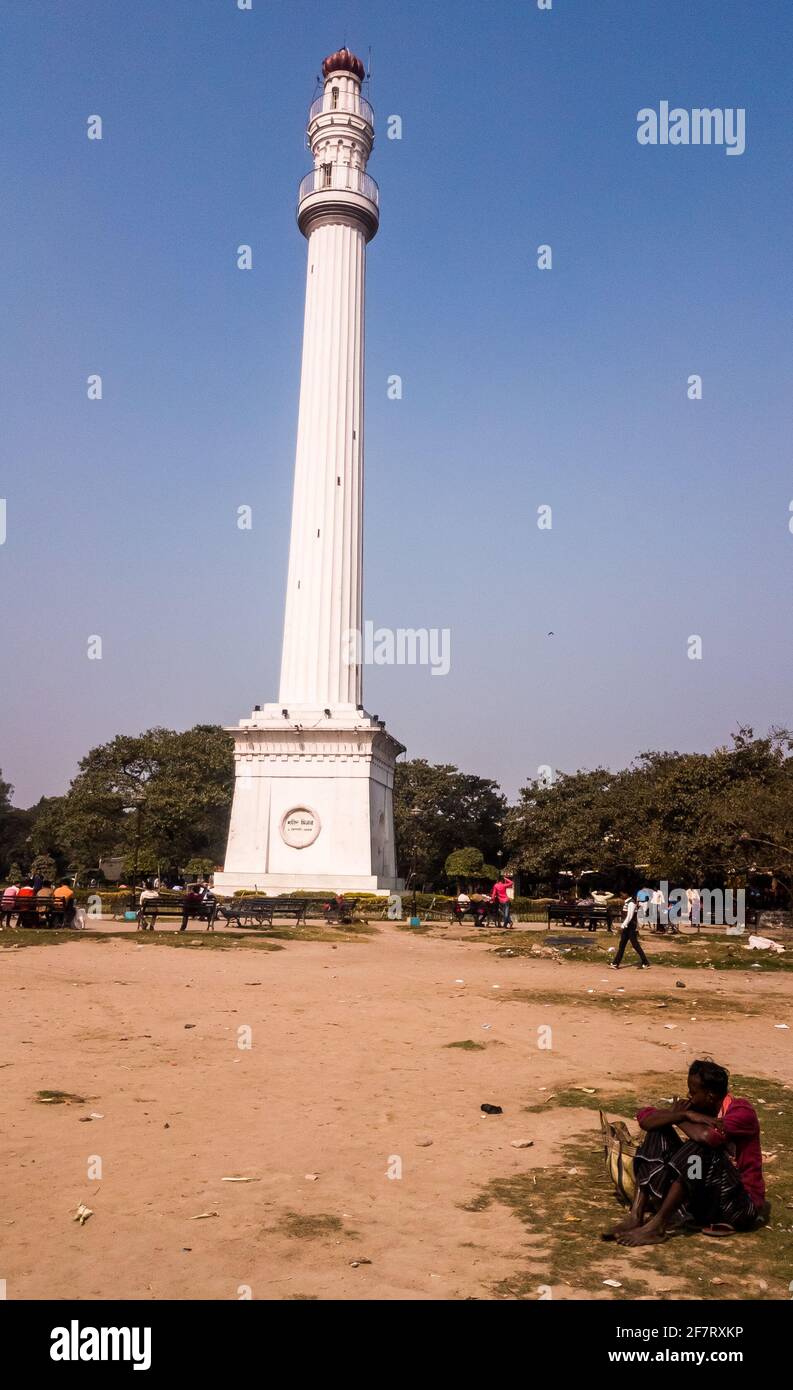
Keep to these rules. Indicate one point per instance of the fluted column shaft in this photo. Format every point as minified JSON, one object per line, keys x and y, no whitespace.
{"x":323,"y":601}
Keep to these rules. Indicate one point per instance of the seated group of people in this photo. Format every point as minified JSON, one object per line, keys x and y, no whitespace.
{"x":494,"y":905}
{"x":21,"y":900}
{"x":197,"y":899}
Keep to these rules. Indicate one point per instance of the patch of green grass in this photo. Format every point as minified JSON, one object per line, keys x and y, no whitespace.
{"x":567,"y":1210}
{"x":675,"y":1002}
{"x":678,"y":953}
{"x":479,"y":1203}
{"x":59,"y":1098}
{"x":34,"y":936}
{"x":571,"y":1098}
{"x":302,"y":1227}
{"x":725,"y":953}
{"x":210,"y":941}
{"x":217,"y":941}
{"x":516,"y":941}
{"x":319,"y":931}
{"x":468,"y":1045}
{"x":259,"y":938}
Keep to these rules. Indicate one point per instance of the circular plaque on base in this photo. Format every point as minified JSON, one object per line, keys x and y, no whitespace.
{"x":300,"y":827}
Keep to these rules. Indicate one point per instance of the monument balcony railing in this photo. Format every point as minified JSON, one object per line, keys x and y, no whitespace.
{"x":349,"y":102}
{"x":344,"y":177}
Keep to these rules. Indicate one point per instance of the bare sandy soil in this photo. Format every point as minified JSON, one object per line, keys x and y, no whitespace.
{"x":348,"y":1076}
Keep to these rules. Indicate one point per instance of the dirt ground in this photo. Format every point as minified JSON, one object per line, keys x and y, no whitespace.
{"x":371,"y":1167}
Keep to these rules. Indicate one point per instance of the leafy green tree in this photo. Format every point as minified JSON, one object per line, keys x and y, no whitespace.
{"x":160,"y":797}
{"x":14,"y":829}
{"x":14,"y":874}
{"x":756,"y":814}
{"x":198,"y":867}
{"x":45,"y":865}
{"x":465,"y":864}
{"x":685,"y":817}
{"x":581,"y":821}
{"x":139,"y":865}
{"x":436,"y":809}
{"x":46,"y":831}
{"x":6,"y":820}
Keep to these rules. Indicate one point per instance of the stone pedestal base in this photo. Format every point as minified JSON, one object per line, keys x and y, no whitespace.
{"x":313,"y":803}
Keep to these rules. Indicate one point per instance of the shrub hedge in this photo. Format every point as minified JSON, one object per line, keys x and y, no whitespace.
{"x":114,"y":902}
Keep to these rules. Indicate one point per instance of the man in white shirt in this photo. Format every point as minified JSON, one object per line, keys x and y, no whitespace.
{"x":658,"y":910}
{"x":146,"y":895}
{"x":629,"y":931}
{"x":462,"y":905}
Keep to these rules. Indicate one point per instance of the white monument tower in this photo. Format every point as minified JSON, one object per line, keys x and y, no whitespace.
{"x":313,"y":794}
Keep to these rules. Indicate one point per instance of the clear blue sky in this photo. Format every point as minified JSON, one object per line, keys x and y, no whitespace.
{"x":521,"y":387}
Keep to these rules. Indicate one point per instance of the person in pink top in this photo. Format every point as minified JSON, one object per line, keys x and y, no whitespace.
{"x":712,"y":1178}
{"x":500,"y":896}
{"x":8,"y":903}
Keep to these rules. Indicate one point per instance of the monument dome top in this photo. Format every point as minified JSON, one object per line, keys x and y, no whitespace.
{"x":343,"y":61}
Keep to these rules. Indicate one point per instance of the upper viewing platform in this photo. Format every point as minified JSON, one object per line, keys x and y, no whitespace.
{"x":335,"y":192}
{"x":341,"y":109}
{"x":337,"y":99}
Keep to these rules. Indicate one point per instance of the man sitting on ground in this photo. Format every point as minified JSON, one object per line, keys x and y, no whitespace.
{"x":712,"y":1178}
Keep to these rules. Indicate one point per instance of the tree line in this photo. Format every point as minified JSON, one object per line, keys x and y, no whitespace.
{"x":160,"y":800}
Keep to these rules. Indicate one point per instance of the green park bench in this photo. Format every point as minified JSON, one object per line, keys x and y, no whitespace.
{"x":574,"y":915}
{"x":151,"y":909}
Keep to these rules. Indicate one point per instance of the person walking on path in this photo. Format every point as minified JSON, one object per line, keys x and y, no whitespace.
{"x":629,"y":931}
{"x":500,"y":896}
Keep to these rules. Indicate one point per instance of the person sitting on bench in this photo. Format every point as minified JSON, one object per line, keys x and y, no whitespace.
{"x":63,"y":901}
{"x":712,"y":1178}
{"x":8,"y":904}
{"x":25,"y":898}
{"x":193,"y":901}
{"x":148,"y":894}
{"x":339,"y":910}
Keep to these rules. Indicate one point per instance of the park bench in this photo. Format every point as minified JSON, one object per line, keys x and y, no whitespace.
{"x":575,"y":915}
{"x":45,"y":912}
{"x":334,"y":912}
{"x":482,"y":912}
{"x":170,"y":908}
{"x":262,"y":912}
{"x":259,"y":912}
